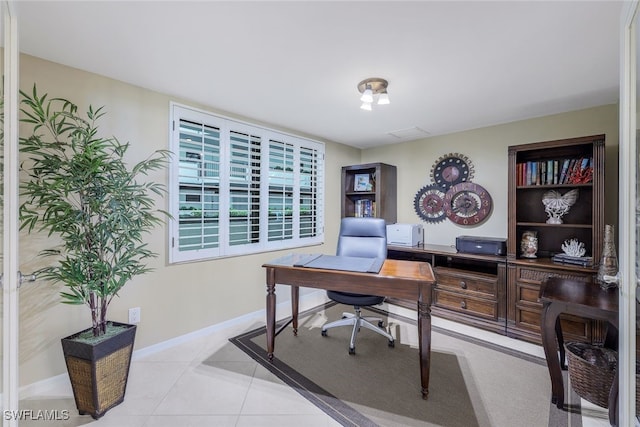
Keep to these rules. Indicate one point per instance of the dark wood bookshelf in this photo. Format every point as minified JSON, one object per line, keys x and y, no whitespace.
{"x":584,"y":221}
{"x":379,"y":201}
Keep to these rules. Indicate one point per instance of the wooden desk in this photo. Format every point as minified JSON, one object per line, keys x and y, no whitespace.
{"x":559,"y":295}
{"x":399,"y":279}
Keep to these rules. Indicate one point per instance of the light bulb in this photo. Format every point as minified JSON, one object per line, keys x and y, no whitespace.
{"x":366,"y":106}
{"x":367,"y":96}
{"x":383,"y":99}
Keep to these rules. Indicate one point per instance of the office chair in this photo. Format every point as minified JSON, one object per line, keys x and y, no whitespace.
{"x":367,"y":238}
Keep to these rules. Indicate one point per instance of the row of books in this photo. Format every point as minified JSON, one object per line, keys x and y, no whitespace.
{"x":554,"y":172}
{"x":365,"y":208}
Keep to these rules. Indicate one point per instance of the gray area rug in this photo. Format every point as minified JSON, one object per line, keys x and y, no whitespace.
{"x":473,"y":383}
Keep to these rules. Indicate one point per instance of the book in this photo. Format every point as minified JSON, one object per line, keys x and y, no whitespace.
{"x":563,"y":172}
{"x":562,"y":258}
{"x":538,"y":173}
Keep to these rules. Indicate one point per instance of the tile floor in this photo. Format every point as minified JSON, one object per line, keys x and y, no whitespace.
{"x":203,"y":381}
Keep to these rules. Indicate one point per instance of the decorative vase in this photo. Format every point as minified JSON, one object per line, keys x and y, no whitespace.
{"x":608,"y":268}
{"x":529,"y":244}
{"x":99,"y":371}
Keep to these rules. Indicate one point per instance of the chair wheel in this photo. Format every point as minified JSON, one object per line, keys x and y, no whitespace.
{"x":324,"y":333}
{"x":392,"y":343}
{"x":380,"y":324}
{"x":352,"y":350}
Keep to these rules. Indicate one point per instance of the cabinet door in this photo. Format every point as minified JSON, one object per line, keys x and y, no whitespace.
{"x":523,"y":297}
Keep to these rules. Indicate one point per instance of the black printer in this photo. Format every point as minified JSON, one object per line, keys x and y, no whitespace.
{"x":481,"y":245}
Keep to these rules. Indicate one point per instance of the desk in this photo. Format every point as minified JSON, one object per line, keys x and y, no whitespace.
{"x":586,"y":299}
{"x":399,"y":279}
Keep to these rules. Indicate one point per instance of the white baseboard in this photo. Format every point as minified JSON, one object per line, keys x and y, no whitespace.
{"x":283,"y":310}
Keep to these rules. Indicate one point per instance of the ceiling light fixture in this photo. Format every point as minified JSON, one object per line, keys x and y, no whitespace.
{"x":372,"y":88}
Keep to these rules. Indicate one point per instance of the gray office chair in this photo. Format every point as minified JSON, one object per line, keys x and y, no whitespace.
{"x":360,"y":237}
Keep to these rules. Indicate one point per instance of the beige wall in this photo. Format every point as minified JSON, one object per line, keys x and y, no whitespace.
{"x":178,"y":299}
{"x":487,"y":149}
{"x":174,"y":299}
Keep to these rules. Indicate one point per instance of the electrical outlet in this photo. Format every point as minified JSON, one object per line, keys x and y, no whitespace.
{"x":134,"y":315}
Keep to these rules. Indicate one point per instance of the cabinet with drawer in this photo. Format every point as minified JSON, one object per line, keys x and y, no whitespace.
{"x":525,"y":279}
{"x":475,"y":294}
{"x":469,"y":288}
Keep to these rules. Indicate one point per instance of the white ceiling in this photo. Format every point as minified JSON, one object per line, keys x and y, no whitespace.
{"x":451,"y":65}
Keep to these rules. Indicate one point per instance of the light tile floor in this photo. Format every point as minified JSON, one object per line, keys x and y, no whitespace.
{"x":205,"y":381}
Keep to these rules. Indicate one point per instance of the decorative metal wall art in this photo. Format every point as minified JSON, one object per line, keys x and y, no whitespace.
{"x":452,"y":195}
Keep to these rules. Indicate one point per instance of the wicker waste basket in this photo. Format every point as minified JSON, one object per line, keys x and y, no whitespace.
{"x":592,"y":370}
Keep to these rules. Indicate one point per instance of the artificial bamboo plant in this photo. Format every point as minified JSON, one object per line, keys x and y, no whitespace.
{"x":80,"y":190}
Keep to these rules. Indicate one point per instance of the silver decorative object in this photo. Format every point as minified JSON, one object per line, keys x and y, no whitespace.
{"x":557,"y":205}
{"x":573,"y":247}
{"x":608,"y":268}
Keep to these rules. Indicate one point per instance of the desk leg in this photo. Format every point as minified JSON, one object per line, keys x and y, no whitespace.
{"x":271,"y":311}
{"x":295,"y":296}
{"x":549,"y":317}
{"x":424,"y":345}
{"x":561,"y":350}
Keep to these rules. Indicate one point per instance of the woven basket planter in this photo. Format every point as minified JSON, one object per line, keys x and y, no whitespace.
{"x":592,"y":370}
{"x":99,"y":372}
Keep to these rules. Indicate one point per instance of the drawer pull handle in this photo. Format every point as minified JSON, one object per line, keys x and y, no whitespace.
{"x":463,"y":304}
{"x":463,"y":285}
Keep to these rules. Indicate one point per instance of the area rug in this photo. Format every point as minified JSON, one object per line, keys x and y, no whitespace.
{"x":472,"y":382}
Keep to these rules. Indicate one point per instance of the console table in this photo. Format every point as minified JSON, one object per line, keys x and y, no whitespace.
{"x":587,"y":299}
{"x":470,"y":288}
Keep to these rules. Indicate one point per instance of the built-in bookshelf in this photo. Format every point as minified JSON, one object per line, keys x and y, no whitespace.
{"x":369,"y":190}
{"x":563,"y":167}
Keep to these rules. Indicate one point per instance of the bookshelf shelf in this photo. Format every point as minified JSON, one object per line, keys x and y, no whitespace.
{"x":544,"y":224}
{"x":552,"y":186}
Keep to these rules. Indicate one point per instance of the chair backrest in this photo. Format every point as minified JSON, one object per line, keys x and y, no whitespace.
{"x":363,"y":237}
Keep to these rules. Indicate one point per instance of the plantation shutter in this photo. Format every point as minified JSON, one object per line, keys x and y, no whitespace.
{"x":199,"y":186}
{"x":244,"y":188}
{"x":238,"y":188}
{"x":281,"y":181}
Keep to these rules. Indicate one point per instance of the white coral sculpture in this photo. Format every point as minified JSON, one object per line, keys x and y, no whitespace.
{"x":556,"y":205}
{"x":573,"y":247}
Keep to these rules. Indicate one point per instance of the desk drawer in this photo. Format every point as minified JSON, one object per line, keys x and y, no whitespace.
{"x":462,"y":303}
{"x":469,"y":283}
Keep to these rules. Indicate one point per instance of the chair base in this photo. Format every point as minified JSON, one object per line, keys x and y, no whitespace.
{"x":357,"y":320}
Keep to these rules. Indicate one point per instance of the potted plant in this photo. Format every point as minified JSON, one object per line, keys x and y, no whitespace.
{"x":80,"y":190}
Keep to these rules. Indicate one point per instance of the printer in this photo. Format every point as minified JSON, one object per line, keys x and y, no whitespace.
{"x":404,"y":234}
{"x":481,"y":245}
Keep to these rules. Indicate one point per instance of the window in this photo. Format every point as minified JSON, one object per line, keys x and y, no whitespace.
{"x":237,"y":188}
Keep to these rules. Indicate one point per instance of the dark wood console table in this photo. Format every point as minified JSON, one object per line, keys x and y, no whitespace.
{"x":470,"y":288}
{"x":586,"y":299}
